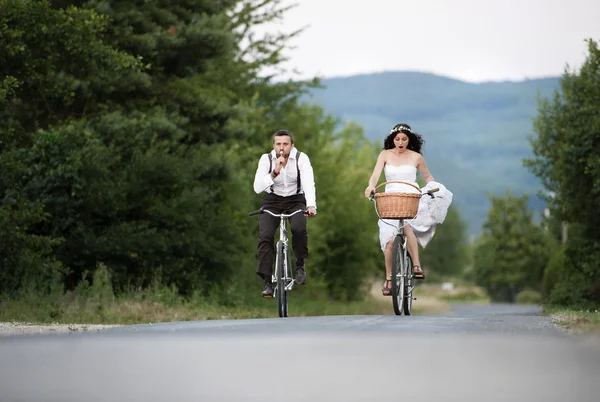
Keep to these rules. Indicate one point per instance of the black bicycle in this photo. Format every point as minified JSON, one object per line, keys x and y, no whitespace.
{"x":403,"y":278}
{"x":282,"y":275}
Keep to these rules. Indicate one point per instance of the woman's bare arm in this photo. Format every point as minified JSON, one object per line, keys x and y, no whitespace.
{"x":422,"y":166}
{"x":381,"y":159}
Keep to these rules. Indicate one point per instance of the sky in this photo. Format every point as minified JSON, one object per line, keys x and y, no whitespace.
{"x":471,"y":40}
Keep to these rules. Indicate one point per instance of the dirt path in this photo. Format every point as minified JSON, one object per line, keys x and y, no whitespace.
{"x":24,"y":328}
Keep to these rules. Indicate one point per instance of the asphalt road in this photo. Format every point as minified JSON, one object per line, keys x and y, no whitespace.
{"x":475,"y":353}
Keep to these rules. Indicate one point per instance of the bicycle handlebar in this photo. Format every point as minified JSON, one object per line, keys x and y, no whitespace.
{"x":262,"y":211}
{"x":433,"y":190}
{"x":430,"y":193}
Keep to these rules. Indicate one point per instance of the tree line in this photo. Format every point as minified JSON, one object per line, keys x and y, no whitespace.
{"x":561,"y":256}
{"x":129,"y":136}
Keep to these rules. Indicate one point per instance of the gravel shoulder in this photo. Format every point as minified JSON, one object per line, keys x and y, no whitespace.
{"x":25,"y":328}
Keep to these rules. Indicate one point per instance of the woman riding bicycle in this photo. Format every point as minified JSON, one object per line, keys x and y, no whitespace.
{"x":400,"y":160}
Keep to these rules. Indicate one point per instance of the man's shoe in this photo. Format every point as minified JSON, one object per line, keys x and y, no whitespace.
{"x":300,"y":275}
{"x":268,"y":291}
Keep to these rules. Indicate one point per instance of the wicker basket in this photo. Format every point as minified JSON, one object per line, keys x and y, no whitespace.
{"x":397,"y":205}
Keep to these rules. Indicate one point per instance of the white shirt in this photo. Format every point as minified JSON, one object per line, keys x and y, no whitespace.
{"x":285,"y":184}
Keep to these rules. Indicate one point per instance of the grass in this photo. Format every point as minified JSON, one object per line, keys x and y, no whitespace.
{"x":161,"y":305}
{"x":460,"y":293}
{"x":97,"y":304}
{"x":576,"y":321}
{"x":131,"y":311}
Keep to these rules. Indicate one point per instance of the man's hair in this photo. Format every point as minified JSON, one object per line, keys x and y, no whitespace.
{"x":281,"y":133}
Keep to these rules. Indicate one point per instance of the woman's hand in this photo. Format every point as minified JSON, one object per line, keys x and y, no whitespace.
{"x":369,"y":190}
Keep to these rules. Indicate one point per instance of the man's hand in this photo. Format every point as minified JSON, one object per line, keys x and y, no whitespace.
{"x":279,"y":161}
{"x":312,"y":211}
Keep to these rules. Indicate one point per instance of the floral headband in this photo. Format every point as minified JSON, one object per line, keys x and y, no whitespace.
{"x":399,"y":128}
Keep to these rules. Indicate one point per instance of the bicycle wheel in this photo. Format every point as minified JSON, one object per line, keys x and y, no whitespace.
{"x":398,"y":275}
{"x":285,"y":280}
{"x":410,"y":285}
{"x":279,"y":274}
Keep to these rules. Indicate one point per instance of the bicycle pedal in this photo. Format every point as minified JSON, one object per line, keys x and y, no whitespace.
{"x":414,"y":298}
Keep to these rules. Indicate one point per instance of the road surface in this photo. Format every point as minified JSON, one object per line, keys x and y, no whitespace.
{"x":475,"y":353}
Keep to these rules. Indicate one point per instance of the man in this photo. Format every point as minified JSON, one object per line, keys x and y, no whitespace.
{"x":286,"y":175}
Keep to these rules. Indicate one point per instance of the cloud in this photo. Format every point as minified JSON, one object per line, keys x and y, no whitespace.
{"x":471,"y":40}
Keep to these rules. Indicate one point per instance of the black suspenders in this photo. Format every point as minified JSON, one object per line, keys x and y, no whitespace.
{"x":298,"y":179}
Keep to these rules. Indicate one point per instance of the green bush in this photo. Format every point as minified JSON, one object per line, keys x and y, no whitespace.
{"x":529,"y":296}
{"x":571,"y":278}
{"x":552,"y":274}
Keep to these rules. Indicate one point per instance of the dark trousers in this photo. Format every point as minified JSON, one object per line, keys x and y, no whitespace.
{"x":268,"y":225}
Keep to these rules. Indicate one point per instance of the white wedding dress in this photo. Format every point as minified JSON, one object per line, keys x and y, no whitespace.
{"x":432,"y":211}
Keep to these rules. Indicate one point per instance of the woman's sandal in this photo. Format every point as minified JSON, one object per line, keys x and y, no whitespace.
{"x":419,"y":274}
{"x":385,"y":290}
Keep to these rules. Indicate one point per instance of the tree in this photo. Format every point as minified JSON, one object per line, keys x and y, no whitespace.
{"x":566,"y":158}
{"x":61,"y":65}
{"x":122,"y":192}
{"x":513,"y":251}
{"x":119,"y":128}
{"x":52,"y":63}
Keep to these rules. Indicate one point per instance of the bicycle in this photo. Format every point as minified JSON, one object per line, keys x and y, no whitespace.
{"x":282,"y":274}
{"x":403,"y":278}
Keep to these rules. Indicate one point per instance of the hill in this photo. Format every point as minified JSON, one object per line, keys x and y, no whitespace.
{"x":475,"y":134}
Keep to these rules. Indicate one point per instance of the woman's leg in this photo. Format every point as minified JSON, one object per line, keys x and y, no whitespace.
{"x":387,"y":230}
{"x":388,"y":258}
{"x":387,"y":285}
{"x":413,"y":249}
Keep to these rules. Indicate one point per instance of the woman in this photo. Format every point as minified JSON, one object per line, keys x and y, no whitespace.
{"x":400,"y":159}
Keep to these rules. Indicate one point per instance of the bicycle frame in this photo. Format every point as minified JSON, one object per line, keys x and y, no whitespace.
{"x":405,"y":276}
{"x":283,"y":241}
{"x":285,"y":283}
{"x":403,"y":283}
{"x":402,"y":237}
{"x":407,"y":273}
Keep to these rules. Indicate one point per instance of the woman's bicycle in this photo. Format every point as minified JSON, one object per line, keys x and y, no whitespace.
{"x":402,"y":206}
{"x":282,"y":276}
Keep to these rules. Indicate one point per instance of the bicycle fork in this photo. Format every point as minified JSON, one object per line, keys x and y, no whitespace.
{"x":287,"y":280}
{"x":407,"y":275}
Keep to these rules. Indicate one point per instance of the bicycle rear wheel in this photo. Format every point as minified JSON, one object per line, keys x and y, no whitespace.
{"x":410,"y":285}
{"x":282,"y":300}
{"x":398,"y":275}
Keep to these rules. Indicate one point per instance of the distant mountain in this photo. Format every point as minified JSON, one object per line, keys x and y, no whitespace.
{"x":475,"y":134}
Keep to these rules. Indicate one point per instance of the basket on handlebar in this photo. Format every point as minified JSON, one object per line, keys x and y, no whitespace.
{"x":397,"y":205}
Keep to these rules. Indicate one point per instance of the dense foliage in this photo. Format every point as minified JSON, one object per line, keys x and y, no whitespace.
{"x":129,"y":137}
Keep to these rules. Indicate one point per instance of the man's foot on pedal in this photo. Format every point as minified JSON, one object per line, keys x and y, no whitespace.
{"x":268,"y":291}
{"x":300,"y":277}
{"x":418,"y":272}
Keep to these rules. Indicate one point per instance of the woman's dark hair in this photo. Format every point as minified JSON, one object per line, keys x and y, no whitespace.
{"x":415,"y":140}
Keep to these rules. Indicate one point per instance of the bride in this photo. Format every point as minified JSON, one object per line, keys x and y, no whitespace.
{"x":400,"y":160}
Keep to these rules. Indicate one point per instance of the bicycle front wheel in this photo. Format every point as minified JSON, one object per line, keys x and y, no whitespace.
{"x":282,"y":300}
{"x":410,"y":285}
{"x":398,"y":275}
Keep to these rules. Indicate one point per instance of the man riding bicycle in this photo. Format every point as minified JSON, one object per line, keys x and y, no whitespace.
{"x":286,"y":175}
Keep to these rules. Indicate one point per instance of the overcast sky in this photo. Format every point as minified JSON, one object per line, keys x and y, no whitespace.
{"x":472,"y":40}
